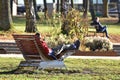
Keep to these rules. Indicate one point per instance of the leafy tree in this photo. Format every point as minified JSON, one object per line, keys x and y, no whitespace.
{"x":74,"y":24}
{"x":30,"y":16}
{"x":5,"y":15}
{"x":105,"y":8}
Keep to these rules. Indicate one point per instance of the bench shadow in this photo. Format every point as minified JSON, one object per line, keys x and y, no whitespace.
{"x":17,"y":71}
{"x":50,"y":71}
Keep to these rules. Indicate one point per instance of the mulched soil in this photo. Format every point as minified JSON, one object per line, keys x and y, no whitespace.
{"x":115,"y":38}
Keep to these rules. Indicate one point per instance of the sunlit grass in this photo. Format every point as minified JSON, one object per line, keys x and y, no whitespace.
{"x":77,"y":69}
{"x":46,"y":27}
{"x":19,"y":24}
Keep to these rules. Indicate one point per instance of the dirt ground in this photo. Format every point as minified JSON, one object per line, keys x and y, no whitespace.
{"x":113,"y":38}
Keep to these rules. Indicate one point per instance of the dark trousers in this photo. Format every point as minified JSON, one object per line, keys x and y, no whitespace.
{"x":73,"y":46}
{"x":103,"y":29}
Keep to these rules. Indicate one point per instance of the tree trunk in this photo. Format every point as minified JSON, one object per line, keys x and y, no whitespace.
{"x":53,"y":1}
{"x":45,"y":9}
{"x":61,"y":3}
{"x":105,"y":8}
{"x":92,"y":9}
{"x":118,"y":8}
{"x":65,"y":8}
{"x":58,"y":6}
{"x":5,"y":15}
{"x":72,"y":4}
{"x":85,"y":6}
{"x":30,"y":16}
{"x":11,"y":6}
{"x":35,"y":7}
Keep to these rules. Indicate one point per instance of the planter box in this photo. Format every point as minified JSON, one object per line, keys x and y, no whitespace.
{"x":95,"y":53}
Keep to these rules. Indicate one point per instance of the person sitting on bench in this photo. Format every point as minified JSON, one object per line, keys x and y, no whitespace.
{"x":99,"y":27}
{"x":52,"y":51}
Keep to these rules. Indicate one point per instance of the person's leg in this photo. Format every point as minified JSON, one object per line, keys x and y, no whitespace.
{"x":73,"y":46}
{"x":52,"y":54}
{"x":62,"y":48}
{"x":57,"y":48}
{"x":106,"y":33}
{"x":105,"y":30}
{"x":77,"y":44}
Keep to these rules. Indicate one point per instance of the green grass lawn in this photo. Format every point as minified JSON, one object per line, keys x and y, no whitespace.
{"x":19,"y":25}
{"x":114,"y":29}
{"x":77,"y":69}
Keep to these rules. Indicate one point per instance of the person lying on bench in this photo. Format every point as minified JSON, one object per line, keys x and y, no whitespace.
{"x":52,"y":51}
{"x":99,"y":27}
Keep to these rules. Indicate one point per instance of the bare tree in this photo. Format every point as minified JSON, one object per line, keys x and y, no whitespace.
{"x":35,"y":7}
{"x":54,"y":7}
{"x":105,"y":8}
{"x":11,"y":6}
{"x":118,"y":7}
{"x":30,"y":16}
{"x":72,"y":4}
{"x":85,"y":6}
{"x":58,"y":5}
{"x":64,"y":7}
{"x":45,"y":9}
{"x":61,"y":3}
{"x":92,"y":9}
{"x":5,"y":15}
{"x":53,"y":1}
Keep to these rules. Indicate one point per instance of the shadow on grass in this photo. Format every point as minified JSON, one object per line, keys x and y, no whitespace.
{"x":36,"y":71}
{"x":49,"y":71}
{"x":17,"y":71}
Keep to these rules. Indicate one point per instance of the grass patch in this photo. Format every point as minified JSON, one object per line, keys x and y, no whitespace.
{"x":114,"y":29}
{"x":77,"y":69}
{"x":19,"y":24}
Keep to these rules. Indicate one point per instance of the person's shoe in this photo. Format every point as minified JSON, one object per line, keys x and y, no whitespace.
{"x":77,"y":44}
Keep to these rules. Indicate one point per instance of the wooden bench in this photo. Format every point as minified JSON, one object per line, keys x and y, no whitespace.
{"x":8,"y":47}
{"x":34,"y":54}
{"x":92,"y":32}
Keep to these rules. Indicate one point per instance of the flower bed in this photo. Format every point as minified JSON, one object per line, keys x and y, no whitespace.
{"x":95,"y":53}
{"x":96,"y":44}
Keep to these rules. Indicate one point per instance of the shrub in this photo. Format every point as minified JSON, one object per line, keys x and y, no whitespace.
{"x":97,"y":43}
{"x":56,"y":40}
{"x":74,"y":24}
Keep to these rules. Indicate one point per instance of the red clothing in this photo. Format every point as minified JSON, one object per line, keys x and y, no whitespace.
{"x":42,"y":44}
{"x":45,"y":48}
